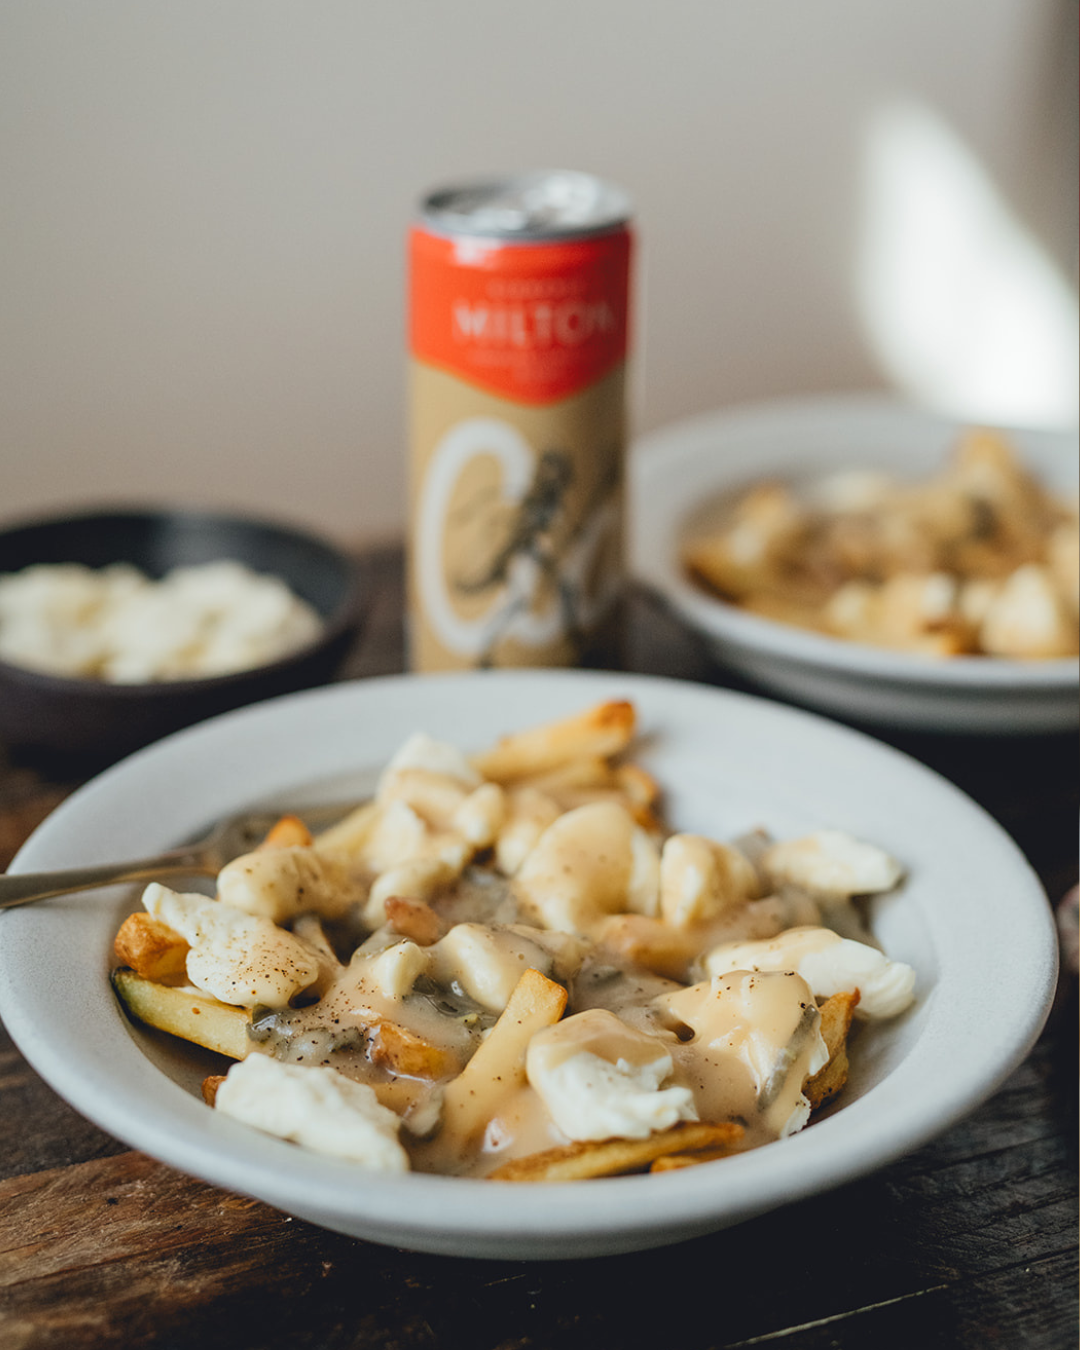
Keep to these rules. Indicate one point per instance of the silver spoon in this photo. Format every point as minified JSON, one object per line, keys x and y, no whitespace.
{"x":236,"y":835}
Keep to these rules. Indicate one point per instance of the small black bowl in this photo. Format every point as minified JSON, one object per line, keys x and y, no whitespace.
{"x":81,"y":723}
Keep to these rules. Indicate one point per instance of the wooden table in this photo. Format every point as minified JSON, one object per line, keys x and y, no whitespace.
{"x":969,"y":1242}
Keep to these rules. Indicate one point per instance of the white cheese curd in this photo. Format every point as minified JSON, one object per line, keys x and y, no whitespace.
{"x":829,"y":964}
{"x":580,"y":869}
{"x":486,"y":962}
{"x":643,"y":887}
{"x":529,"y":812}
{"x":240,"y":958}
{"x":396,"y":833}
{"x":117,"y":625}
{"x":1028,"y":617}
{"x":317,"y":1108}
{"x":395,"y":970}
{"x":832,"y":863}
{"x":700,"y":879}
{"x":852,"y":489}
{"x":421,"y":879}
{"x":480,"y":816}
{"x":280,"y":883}
{"x":421,"y":751}
{"x":400,"y":834}
{"x":601,"y":1079}
{"x":756,"y":1040}
{"x":49,"y":615}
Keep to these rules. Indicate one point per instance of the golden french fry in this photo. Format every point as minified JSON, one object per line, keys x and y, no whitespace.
{"x":150,"y":947}
{"x":348,"y":836}
{"x":651,"y":943}
{"x":499,"y":1064}
{"x":569,"y":799}
{"x":403,"y":1052}
{"x":836,"y":1014}
{"x":638,"y":784}
{"x":414,"y":920}
{"x":673,"y":1162}
{"x":589,"y":778}
{"x":642,"y":794}
{"x":288,"y":832}
{"x":599,"y":732}
{"x":186,"y":1013}
{"x":707,"y":562}
{"x":611,"y":1157}
{"x":586,"y":771}
{"x":210,"y":1085}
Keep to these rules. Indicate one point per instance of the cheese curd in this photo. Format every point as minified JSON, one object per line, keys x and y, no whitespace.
{"x":238,"y":957}
{"x":830,"y":965}
{"x":318,"y":1108}
{"x":116,"y":624}
{"x":756,"y":1040}
{"x":281,"y":883}
{"x":832,"y":865}
{"x":599,"y":1079}
{"x":700,"y":879}
{"x":590,"y":862}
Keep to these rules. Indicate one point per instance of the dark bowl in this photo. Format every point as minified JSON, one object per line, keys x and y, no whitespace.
{"x":87,"y":723}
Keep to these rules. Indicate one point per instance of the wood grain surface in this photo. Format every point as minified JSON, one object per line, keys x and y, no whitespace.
{"x":969,"y":1242}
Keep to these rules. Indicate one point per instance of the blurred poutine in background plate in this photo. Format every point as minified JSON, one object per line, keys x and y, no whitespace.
{"x":871,"y":559}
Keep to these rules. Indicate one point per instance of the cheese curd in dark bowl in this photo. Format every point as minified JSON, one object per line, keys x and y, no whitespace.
{"x":118,"y":626}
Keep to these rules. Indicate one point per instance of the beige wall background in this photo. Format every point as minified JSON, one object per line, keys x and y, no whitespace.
{"x":204,"y":208}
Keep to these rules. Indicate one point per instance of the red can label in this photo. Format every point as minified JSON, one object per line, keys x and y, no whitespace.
{"x":532,"y":322}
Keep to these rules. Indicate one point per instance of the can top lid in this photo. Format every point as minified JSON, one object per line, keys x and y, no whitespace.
{"x":544,"y":204}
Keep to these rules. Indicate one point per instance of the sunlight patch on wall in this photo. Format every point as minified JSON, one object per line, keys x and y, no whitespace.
{"x":963,"y":307}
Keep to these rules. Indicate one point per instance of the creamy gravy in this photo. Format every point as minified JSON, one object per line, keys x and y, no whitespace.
{"x":742,"y":1044}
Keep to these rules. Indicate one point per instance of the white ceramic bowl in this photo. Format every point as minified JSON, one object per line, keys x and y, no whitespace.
{"x":677,"y":470}
{"x":971,"y":918}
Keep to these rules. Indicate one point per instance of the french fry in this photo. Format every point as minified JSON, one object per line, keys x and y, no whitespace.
{"x":197,"y":1017}
{"x":288,"y":832}
{"x":650,"y":943}
{"x":403,"y":1052}
{"x":350,"y":835}
{"x":210,"y":1085}
{"x":602,"y":731}
{"x":638,"y":784}
{"x":310,"y":928}
{"x":836,"y":1014}
{"x":613,"y":1157}
{"x":414,"y":920}
{"x":673,"y":1162}
{"x":499,"y":1064}
{"x":150,"y":947}
{"x":189,"y":1014}
{"x":586,"y":771}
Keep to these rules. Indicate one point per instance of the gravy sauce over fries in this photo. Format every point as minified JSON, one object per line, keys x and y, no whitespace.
{"x":509,"y":967}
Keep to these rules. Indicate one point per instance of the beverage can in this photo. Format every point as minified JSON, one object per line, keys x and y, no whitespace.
{"x":518,"y":334}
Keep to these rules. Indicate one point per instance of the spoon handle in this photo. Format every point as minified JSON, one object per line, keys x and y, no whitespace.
{"x":30,"y":886}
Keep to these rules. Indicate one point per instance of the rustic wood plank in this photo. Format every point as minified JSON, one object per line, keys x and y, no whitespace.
{"x":126,"y":1243}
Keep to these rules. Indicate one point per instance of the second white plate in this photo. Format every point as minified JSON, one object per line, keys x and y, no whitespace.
{"x":680,"y":468}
